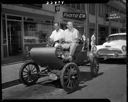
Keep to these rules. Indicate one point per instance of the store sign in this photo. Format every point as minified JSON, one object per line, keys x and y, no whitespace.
{"x":113,"y":16}
{"x":78,"y":16}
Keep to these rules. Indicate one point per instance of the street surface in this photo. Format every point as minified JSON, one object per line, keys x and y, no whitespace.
{"x":110,"y":84}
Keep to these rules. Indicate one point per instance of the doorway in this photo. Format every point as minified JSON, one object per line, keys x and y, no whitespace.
{"x":14,"y":38}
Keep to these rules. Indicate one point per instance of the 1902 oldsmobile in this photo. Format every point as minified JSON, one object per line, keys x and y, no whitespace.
{"x":67,"y":72}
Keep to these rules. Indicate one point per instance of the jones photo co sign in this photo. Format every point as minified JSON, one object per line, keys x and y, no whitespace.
{"x":78,"y":16}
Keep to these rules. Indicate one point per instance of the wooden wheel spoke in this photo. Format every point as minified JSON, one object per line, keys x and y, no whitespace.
{"x":71,"y":84}
{"x":33,"y":68}
{"x":26,"y":78}
{"x":27,"y":68}
{"x":66,"y":76}
{"x":25,"y":71}
{"x":68,"y":85}
{"x":66,"y":81}
{"x":34,"y":71}
{"x":25,"y":75}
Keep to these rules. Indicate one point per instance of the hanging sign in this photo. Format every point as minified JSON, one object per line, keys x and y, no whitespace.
{"x":78,"y":16}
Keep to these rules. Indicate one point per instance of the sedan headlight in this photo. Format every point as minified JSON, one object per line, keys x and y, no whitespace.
{"x":124,"y":48}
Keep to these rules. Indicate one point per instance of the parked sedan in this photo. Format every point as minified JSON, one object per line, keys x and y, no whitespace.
{"x":114,"y":47}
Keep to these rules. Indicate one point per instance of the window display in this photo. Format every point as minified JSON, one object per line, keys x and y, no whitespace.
{"x":36,"y":33}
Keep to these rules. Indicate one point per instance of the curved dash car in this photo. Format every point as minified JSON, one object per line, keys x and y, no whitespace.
{"x":113,"y":48}
{"x":45,"y":61}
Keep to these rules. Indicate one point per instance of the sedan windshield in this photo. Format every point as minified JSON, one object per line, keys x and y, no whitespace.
{"x":117,"y":37}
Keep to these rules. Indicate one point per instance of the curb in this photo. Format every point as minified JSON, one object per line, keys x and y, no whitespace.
{"x":10,"y":83}
{"x":14,"y":63}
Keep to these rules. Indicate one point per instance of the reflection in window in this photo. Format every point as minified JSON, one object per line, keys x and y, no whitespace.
{"x":34,"y":33}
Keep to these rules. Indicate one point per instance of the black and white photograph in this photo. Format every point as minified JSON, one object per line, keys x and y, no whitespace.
{"x":60,"y":50}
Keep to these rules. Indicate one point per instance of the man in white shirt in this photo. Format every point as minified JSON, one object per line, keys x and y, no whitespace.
{"x":57,"y":35}
{"x":93,"y":40}
{"x":71,"y":37}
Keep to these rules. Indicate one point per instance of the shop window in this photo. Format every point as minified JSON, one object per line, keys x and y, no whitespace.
{"x":30,"y":33}
{"x":67,"y":5}
{"x":102,"y":10}
{"x":5,"y":54}
{"x":13,"y":17}
{"x":114,"y":30}
{"x":36,"y":33}
{"x":78,"y":6}
{"x":83,"y":7}
{"x":73,"y":5}
{"x":92,"y":9}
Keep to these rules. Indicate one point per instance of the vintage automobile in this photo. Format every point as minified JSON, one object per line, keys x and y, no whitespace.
{"x":46,"y":61}
{"x":113,"y":48}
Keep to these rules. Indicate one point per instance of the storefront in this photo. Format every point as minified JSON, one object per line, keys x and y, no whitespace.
{"x":78,"y":20}
{"x":103,"y":33}
{"x":123,"y":30}
{"x":114,"y":30}
{"x":21,"y":30}
{"x":91,"y":31}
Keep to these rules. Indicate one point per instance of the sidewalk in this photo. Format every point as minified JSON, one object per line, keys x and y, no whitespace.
{"x":10,"y":74}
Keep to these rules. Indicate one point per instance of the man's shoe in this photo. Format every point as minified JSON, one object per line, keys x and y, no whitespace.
{"x":69,"y":58}
{"x":66,"y":58}
{"x":53,"y":76}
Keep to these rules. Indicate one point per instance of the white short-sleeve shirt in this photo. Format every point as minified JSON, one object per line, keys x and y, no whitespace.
{"x":57,"y":35}
{"x":71,"y":35}
{"x":93,"y":40}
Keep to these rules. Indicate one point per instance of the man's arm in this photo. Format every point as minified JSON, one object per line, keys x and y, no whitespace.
{"x":77,"y":36}
{"x":50,"y":40}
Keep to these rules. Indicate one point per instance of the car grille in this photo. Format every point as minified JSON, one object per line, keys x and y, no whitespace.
{"x":107,"y":51}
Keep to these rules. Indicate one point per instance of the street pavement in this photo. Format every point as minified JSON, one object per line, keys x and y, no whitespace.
{"x":109,"y":84}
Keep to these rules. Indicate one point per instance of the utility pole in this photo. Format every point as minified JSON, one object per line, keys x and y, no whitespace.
{"x":109,"y":25}
{"x":96,"y":25}
{"x":119,"y":21}
{"x":87,"y":24}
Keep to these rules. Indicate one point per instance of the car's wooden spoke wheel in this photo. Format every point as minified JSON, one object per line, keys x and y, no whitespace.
{"x":28,"y":73}
{"x":70,"y":77}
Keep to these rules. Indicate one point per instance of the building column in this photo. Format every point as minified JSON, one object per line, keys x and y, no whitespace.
{"x":1,"y":39}
{"x":23,"y":35}
{"x":87,"y":20}
{"x":109,"y":31}
{"x":96,"y":25}
{"x":87,"y":23}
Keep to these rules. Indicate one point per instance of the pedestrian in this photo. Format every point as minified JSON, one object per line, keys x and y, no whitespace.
{"x":93,"y":41}
{"x":57,"y":35}
{"x":71,"y":37}
{"x":84,"y":42}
